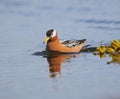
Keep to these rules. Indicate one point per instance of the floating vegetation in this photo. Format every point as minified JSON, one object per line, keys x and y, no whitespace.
{"x":112,"y":50}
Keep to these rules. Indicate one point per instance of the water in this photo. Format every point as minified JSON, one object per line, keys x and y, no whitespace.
{"x":23,"y":24}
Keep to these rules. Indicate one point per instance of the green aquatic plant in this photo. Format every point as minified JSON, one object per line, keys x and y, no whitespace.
{"x":115,"y":58}
{"x":111,"y":50}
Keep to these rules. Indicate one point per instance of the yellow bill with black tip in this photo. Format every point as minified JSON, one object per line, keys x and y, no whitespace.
{"x":46,"y":39}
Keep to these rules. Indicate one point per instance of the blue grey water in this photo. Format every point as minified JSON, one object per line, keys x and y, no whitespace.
{"x":23,"y":24}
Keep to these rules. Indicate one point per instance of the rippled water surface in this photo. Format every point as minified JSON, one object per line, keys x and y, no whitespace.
{"x":23,"y":24}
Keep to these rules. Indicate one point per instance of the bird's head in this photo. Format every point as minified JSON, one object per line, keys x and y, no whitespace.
{"x":51,"y":35}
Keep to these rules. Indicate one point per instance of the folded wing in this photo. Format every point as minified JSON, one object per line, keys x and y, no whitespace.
{"x":72,"y":43}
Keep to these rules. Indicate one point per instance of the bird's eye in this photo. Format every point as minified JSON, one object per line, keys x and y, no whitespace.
{"x":53,"y":33}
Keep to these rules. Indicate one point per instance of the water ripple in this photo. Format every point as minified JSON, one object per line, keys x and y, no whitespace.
{"x":99,"y":21}
{"x":107,"y":28}
{"x":13,"y":3}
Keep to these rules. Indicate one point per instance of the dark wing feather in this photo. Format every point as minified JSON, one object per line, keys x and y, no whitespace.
{"x":73,"y":43}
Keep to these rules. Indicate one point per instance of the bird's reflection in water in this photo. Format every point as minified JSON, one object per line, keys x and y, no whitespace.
{"x":55,"y":60}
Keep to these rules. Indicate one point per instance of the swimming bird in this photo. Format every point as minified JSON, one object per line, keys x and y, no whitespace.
{"x":66,"y":46}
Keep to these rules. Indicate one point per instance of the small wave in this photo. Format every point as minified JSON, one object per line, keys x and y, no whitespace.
{"x":14,"y":3}
{"x":99,"y":21}
{"x":107,"y":28}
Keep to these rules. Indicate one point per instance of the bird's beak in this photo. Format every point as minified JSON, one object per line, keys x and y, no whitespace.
{"x":46,"y":39}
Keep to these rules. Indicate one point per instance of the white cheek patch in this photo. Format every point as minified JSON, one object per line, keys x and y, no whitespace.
{"x":53,"y":33}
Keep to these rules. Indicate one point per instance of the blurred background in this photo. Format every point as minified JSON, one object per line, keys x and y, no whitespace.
{"x":23,"y":24}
